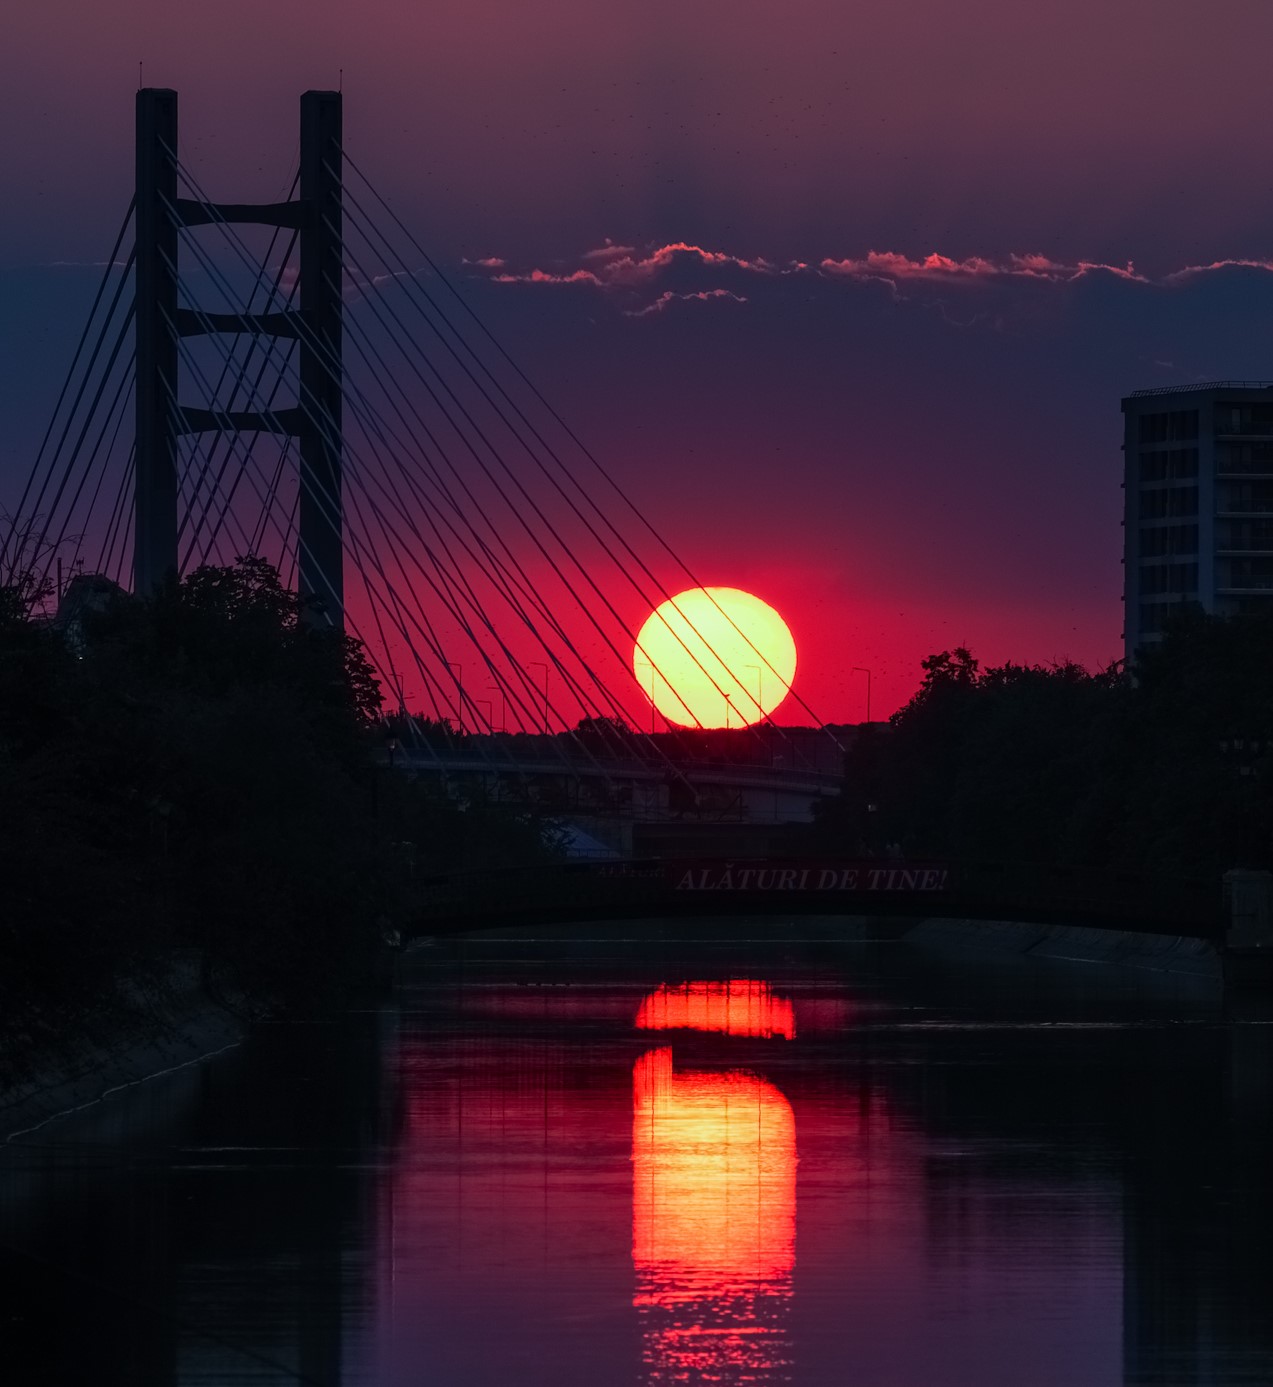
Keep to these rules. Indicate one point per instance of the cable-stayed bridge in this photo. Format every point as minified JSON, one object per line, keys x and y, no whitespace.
{"x":299,"y":381}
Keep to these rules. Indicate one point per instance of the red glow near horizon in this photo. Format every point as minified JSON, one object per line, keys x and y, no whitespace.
{"x":713,"y":1221}
{"x":739,"y":1007}
{"x":739,"y":333}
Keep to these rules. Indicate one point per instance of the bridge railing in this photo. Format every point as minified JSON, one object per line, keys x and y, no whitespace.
{"x":1136,"y":901}
{"x":499,"y":757}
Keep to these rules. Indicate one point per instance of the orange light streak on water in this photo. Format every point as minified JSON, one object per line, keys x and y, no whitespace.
{"x":738,"y":1007}
{"x":713,"y":1222}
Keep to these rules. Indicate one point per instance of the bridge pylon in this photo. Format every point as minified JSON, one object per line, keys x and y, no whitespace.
{"x":315,"y":421}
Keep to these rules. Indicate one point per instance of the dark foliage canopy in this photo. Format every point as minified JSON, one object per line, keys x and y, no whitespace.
{"x":1167,"y":769}
{"x":196,"y":776}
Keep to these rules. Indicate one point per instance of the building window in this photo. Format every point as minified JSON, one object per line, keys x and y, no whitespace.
{"x":1248,"y":419}
{"x":1244,"y":457}
{"x":1166,"y":540}
{"x":1168,"y":427}
{"x":1155,"y":617}
{"x":1251,"y":573}
{"x":1169,"y":465}
{"x":1247,"y":498}
{"x":1169,"y":502}
{"x":1242,"y":534}
{"x":1180,"y":579}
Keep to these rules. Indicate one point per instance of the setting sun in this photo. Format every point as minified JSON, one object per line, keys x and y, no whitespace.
{"x":715,"y":657}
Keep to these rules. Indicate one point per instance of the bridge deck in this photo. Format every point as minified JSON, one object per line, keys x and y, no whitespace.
{"x":785,"y":779}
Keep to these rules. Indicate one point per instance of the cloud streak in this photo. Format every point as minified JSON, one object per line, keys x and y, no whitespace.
{"x":669,"y":297}
{"x":894,"y":268}
{"x":644,"y":283}
{"x":614,"y":266}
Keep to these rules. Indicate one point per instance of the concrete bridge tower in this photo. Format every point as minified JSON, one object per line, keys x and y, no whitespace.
{"x":315,"y":420}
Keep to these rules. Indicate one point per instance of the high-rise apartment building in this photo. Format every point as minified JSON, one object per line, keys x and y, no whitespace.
{"x":1198,"y":503}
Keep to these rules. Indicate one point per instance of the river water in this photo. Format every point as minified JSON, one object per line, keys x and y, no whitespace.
{"x":765,"y":1152}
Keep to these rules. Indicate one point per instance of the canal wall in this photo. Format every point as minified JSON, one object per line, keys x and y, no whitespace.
{"x":162,"y":1028}
{"x":1163,"y":953}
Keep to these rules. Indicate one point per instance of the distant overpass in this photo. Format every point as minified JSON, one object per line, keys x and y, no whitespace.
{"x":637,"y":788}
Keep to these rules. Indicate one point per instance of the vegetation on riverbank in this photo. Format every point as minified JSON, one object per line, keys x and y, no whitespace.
{"x":197,"y":776}
{"x":1169,"y":771}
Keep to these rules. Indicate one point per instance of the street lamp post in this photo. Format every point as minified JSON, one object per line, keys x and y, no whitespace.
{"x":459,"y":690}
{"x":503,"y":708}
{"x":872,"y":827}
{"x":760,"y":706}
{"x":859,"y":669}
{"x":645,"y":664}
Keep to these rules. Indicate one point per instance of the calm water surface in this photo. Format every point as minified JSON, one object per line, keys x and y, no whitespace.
{"x":655,"y":1154}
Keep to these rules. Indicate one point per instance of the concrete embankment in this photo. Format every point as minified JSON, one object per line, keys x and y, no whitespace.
{"x":163,"y":1029}
{"x":1163,"y":953}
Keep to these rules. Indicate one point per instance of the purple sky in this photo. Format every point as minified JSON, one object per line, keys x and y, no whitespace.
{"x":899,"y":454}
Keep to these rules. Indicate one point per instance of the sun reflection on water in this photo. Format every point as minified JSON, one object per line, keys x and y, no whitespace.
{"x":714,"y":1197}
{"x":739,"y":1007}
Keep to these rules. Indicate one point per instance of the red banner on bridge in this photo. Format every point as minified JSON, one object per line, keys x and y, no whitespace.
{"x":850,"y":878}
